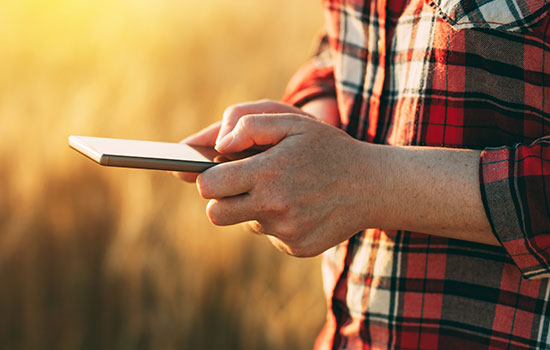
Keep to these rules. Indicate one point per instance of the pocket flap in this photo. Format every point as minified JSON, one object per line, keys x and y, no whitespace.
{"x":509,"y":15}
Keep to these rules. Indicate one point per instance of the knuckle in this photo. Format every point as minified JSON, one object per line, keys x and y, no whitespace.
{"x":274,"y":203}
{"x":280,"y":204}
{"x":233,"y":113}
{"x":247,"y":122}
{"x":289,"y":231}
{"x":231,"y":110}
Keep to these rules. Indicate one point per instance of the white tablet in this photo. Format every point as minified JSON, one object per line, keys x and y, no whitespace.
{"x":150,"y":155}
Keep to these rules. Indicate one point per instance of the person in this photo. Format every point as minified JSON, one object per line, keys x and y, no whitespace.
{"x":413,"y":150}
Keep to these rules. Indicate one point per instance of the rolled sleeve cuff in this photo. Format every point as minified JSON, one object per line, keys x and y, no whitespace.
{"x":514,"y":194}
{"x":309,"y":83}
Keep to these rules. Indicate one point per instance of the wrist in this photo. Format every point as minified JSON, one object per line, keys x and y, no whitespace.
{"x":374,"y":161}
{"x":430,"y":190}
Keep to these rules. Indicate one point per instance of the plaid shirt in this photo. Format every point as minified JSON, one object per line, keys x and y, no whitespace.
{"x":448,"y":73}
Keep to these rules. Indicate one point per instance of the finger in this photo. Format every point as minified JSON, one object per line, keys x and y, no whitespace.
{"x":187,"y":177}
{"x":231,"y":210}
{"x":233,"y":113}
{"x":231,"y":116}
{"x":225,"y":180}
{"x":205,"y":137}
{"x":262,"y":129}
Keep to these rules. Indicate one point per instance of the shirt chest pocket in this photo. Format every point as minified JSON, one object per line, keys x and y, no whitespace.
{"x":509,"y":15}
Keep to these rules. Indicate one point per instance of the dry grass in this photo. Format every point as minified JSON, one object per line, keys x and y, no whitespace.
{"x":99,"y":258}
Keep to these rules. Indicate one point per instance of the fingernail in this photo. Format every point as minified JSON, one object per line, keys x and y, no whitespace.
{"x":219,"y":138}
{"x":224,"y":142}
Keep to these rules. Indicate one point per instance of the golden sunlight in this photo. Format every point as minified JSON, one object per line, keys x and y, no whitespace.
{"x":100,"y":258}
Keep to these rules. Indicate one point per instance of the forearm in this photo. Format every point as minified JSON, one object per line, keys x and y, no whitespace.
{"x":422,"y":189}
{"x":431,"y":190}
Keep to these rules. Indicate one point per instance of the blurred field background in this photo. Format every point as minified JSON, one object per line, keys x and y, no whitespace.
{"x":104,"y":258}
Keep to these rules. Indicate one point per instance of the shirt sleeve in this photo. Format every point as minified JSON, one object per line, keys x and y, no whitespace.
{"x":314,"y":79}
{"x":515,"y":187}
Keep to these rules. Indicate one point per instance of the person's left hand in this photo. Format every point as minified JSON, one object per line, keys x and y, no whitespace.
{"x":309,"y":192}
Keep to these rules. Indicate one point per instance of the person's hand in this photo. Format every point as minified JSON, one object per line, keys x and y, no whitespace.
{"x":307,"y":193}
{"x":215,"y":132}
{"x":233,"y":113}
{"x":205,"y":137}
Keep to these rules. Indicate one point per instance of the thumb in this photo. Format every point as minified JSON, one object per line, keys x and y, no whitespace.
{"x":261,"y":130}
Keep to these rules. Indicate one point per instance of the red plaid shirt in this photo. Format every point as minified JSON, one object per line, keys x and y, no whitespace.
{"x":448,"y":73}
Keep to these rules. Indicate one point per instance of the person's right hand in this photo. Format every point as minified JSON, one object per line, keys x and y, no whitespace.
{"x":215,"y":132}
